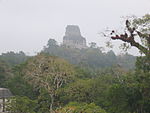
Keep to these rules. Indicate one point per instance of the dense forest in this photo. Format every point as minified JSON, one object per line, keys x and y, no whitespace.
{"x":60,"y":79}
{"x":91,"y":57}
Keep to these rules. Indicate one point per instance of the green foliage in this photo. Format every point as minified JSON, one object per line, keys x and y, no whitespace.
{"x":21,"y":105}
{"x":13,"y":58}
{"x":84,"y":72}
{"x":5,"y":73}
{"x":130,"y":95}
{"x":98,"y":83}
{"x":18,"y":86}
{"x":78,"y":91}
{"x":126,"y":60}
{"x":44,"y":101}
{"x":43,"y":71}
{"x":74,"y":107}
{"x":50,"y":73}
{"x":88,"y":91}
{"x":52,"y":43}
{"x":91,"y":57}
{"x":143,"y":63}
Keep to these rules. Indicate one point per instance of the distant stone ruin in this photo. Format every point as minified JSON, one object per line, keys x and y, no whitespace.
{"x":73,"y":37}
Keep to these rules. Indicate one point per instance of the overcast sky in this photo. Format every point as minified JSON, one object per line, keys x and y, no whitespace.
{"x":28,"y":24}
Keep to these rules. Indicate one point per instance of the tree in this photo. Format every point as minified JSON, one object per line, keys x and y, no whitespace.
{"x":90,"y":57}
{"x":79,"y":91}
{"x":88,"y":91}
{"x":131,"y":95}
{"x":75,"y":107}
{"x":21,"y":105}
{"x":51,"y":42}
{"x":50,"y":73}
{"x":136,"y":28}
{"x":5,"y":73}
{"x":93,"y":45}
{"x":20,"y":87}
{"x":13,"y":58}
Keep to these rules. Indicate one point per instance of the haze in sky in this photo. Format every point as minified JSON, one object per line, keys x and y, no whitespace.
{"x":28,"y":24}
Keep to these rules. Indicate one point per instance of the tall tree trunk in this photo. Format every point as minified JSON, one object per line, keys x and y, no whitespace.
{"x":3,"y":104}
{"x":52,"y":101}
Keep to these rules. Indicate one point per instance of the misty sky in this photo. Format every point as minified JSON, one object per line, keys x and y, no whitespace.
{"x":28,"y":24}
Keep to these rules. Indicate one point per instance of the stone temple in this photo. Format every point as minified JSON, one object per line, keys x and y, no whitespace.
{"x":73,"y":37}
